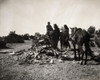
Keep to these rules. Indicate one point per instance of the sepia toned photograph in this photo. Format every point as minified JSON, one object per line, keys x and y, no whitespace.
{"x":49,"y":39}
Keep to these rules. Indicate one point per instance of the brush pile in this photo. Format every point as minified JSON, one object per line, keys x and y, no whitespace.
{"x":40,"y":52}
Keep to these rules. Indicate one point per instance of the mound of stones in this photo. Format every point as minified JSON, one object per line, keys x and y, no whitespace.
{"x":40,"y":52}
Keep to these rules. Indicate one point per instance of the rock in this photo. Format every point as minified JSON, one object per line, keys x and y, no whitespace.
{"x":36,"y":54}
{"x":51,"y":61}
{"x":60,"y":61}
{"x":31,"y":53}
{"x":96,"y":54}
{"x":36,"y":61}
{"x":12,"y":53}
{"x":44,"y":46}
{"x":15,"y":58}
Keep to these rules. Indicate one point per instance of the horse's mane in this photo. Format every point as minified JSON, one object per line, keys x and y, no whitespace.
{"x":77,"y":30}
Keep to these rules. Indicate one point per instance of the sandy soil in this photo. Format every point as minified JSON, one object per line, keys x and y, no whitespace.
{"x":16,"y":47}
{"x":68,"y":70}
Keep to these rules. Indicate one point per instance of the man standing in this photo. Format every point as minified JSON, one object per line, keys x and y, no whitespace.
{"x":49,"y":30}
{"x":55,"y":36}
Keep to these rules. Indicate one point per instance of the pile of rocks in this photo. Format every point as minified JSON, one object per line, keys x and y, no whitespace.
{"x":41,"y":52}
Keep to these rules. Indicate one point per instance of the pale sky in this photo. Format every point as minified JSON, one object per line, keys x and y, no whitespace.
{"x":30,"y":16}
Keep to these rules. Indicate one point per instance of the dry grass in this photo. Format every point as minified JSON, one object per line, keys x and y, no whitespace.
{"x":68,"y":70}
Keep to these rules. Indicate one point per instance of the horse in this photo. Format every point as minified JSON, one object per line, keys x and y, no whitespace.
{"x":64,"y":37}
{"x":81,"y":37}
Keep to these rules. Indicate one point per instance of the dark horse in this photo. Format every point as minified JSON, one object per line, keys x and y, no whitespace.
{"x":81,"y":37}
{"x":64,"y":37}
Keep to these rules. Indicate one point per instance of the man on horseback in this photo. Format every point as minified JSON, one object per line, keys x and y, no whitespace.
{"x":64,"y":37}
{"x":55,"y":36}
{"x":49,"y":29}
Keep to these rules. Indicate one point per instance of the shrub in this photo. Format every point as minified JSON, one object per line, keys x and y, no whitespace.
{"x":97,"y":41}
{"x":26,"y":36}
{"x":2,"y":44}
{"x":31,"y":37}
{"x":91,"y":29}
{"x":98,"y":33}
{"x":97,"y":38}
{"x":14,"y":38}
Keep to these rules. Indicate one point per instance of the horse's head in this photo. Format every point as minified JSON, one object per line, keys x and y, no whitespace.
{"x":76,"y":32}
{"x":73,"y":30}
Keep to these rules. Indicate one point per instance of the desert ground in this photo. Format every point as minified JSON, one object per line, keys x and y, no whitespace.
{"x":10,"y":69}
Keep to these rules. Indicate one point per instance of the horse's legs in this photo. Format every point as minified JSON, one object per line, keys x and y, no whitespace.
{"x":82,"y":58}
{"x":61,"y":44}
{"x":85,"y":57}
{"x":89,"y":50}
{"x":81,"y":52}
{"x":69,"y":45}
{"x":66,"y":44}
{"x":74,"y":51}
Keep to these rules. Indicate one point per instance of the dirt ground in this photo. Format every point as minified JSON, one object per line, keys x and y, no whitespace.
{"x":67,"y":70}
